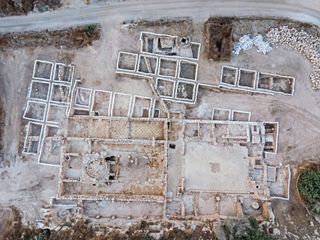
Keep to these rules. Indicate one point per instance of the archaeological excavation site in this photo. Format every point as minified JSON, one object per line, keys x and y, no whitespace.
{"x":161,"y":123}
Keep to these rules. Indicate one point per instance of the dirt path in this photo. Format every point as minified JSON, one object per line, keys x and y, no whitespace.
{"x":166,"y":8}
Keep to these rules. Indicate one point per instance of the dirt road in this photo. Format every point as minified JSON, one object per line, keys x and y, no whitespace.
{"x":164,"y":8}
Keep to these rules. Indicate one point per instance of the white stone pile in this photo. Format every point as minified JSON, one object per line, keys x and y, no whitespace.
{"x":246,"y":42}
{"x":303,"y":42}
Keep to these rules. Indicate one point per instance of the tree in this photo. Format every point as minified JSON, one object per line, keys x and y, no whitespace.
{"x":309,"y":186}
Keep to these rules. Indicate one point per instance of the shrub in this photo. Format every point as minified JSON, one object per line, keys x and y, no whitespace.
{"x":309,"y":186}
{"x":90,"y":28}
{"x":245,"y":230}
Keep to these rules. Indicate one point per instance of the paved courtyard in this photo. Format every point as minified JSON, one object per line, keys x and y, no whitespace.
{"x":216,"y":168}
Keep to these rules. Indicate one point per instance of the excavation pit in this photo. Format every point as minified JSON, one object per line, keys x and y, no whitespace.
{"x":147,"y":64}
{"x":51,"y":152}
{"x":60,"y":93}
{"x":185,"y":91}
{"x":221,"y":114}
{"x":141,"y":107}
{"x":241,"y":116}
{"x":276,"y":83}
{"x":42,"y":70}
{"x":35,"y":111}
{"x":39,"y":90}
{"x":63,"y":72}
{"x":83,"y":96}
{"x":56,"y":113}
{"x":33,"y":137}
{"x":51,"y":131}
{"x":188,"y":70}
{"x":165,"y":87}
{"x":218,"y":36}
{"x":127,"y":61}
{"x":168,"y":67}
{"x":168,"y":45}
{"x":229,"y":75}
{"x":158,"y":43}
{"x":102,"y":103}
{"x":121,"y":104}
{"x":247,"y":78}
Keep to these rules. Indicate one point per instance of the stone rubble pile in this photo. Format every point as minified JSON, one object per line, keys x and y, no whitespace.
{"x":304,"y":43}
{"x":246,"y":43}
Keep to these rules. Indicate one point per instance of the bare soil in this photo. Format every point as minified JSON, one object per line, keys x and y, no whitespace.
{"x":12,"y":228}
{"x":77,"y":37}
{"x":2,"y":124}
{"x":181,"y":22}
{"x":218,"y":38}
{"x":294,"y":215}
{"x":23,"y":7}
{"x":220,"y":33}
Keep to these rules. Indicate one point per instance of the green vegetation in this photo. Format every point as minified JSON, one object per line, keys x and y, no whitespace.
{"x":309,"y":187}
{"x":90,"y":28}
{"x":143,"y":224}
{"x":245,"y":230}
